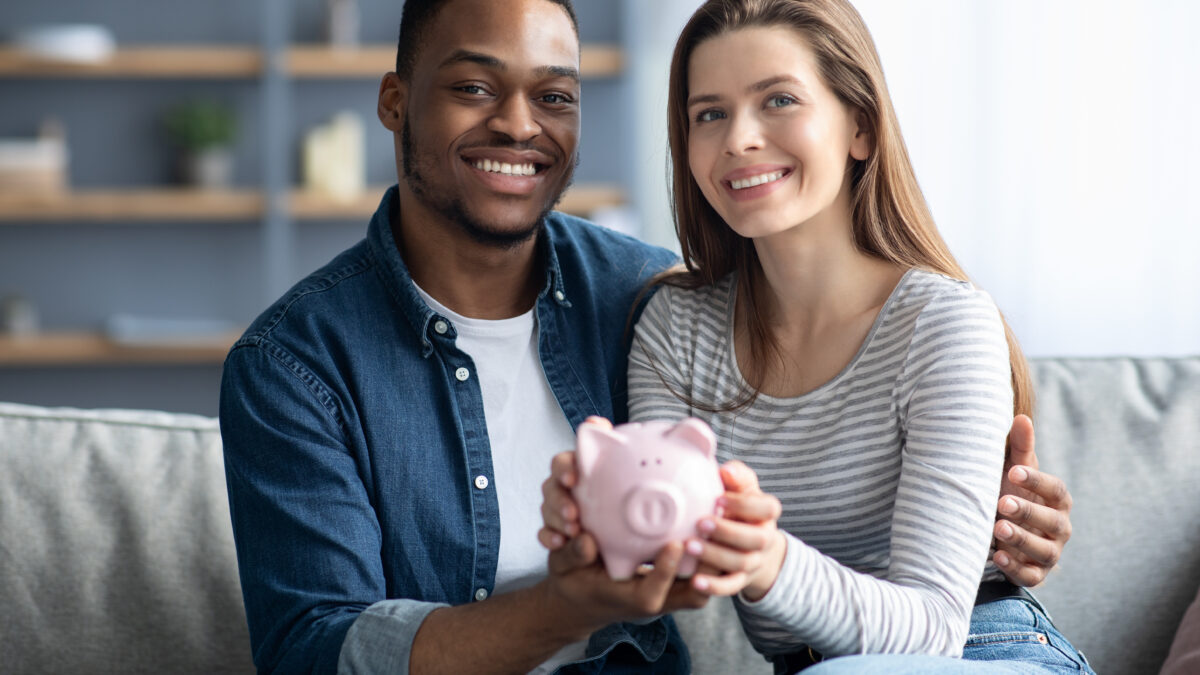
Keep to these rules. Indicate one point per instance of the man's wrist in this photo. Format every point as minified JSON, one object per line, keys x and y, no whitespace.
{"x":565,"y":620}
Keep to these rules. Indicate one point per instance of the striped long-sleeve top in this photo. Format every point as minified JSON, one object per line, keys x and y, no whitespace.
{"x":888,"y":474}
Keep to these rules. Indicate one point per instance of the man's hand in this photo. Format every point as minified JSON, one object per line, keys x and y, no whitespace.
{"x":577,"y":572}
{"x":1034,"y":521}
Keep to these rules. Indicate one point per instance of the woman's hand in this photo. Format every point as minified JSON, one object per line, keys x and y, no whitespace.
{"x":743,"y":543}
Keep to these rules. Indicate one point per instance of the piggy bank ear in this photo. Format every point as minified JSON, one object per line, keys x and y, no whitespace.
{"x":590,"y":441}
{"x":697,"y":433}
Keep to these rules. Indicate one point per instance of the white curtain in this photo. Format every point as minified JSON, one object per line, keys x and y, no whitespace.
{"x":1057,"y":144}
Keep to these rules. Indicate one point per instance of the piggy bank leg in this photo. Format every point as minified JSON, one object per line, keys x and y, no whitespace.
{"x":687,"y":566}
{"x":620,"y":568}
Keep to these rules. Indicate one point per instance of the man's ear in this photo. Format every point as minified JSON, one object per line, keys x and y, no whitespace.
{"x":863,"y":142}
{"x":393,"y":96}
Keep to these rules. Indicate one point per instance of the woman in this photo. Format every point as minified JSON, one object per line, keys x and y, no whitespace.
{"x":824,"y":330}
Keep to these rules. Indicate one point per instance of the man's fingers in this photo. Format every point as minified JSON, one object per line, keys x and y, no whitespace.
{"x":559,"y":512}
{"x":1020,"y":571}
{"x":651,"y":589}
{"x":1032,"y":548}
{"x":1021,"y":442}
{"x":562,"y":469}
{"x":1051,"y":521}
{"x":551,"y":539}
{"x":1050,"y":488}
{"x":579,"y":552}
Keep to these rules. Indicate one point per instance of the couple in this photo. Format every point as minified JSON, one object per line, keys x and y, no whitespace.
{"x":388,"y":422}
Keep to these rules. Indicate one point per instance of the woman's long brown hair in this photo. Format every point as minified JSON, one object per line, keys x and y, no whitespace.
{"x":891,"y":220}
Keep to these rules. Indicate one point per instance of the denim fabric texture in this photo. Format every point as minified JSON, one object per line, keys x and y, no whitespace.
{"x":1011,"y":636}
{"x":355,"y":443}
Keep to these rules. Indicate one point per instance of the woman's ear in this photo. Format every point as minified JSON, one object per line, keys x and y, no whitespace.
{"x":393,"y":95}
{"x":863,"y":142}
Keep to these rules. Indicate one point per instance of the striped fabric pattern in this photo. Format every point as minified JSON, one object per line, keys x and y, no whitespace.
{"x":888,"y":474}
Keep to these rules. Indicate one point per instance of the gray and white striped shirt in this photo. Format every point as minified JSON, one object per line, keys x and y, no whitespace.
{"x":888,"y":474}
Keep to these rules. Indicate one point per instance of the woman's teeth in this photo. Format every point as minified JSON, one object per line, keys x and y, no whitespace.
{"x":752,"y":181}
{"x":505,"y":168}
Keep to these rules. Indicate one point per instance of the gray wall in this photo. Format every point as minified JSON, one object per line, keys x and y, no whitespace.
{"x":79,"y":273}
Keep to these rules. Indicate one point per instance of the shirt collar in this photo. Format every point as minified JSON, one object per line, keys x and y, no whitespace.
{"x":400,"y":284}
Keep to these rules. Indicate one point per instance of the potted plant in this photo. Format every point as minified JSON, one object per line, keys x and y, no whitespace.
{"x":204,"y":132}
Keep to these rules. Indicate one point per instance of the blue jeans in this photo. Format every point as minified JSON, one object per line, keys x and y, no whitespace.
{"x":1007,"y":636}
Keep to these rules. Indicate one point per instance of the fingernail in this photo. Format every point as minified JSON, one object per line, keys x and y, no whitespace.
{"x":565,"y":512}
{"x":572,"y":529}
{"x":706,"y":526}
{"x":700,"y":583}
{"x":556,"y":540}
{"x":1002,"y":559}
{"x":1004,"y":531}
{"x":1019,"y":475}
{"x":1008,"y":506}
{"x":694,"y":547}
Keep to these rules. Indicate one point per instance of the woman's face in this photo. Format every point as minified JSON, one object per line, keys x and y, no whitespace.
{"x":768,"y":141}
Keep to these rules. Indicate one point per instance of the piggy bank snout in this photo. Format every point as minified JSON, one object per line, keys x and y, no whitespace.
{"x":654,"y":509}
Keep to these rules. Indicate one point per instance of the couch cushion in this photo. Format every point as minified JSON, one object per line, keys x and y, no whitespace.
{"x":116,"y":550}
{"x":1125,"y":435}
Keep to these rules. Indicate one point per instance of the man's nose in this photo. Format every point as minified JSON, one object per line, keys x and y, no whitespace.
{"x":515,"y":119}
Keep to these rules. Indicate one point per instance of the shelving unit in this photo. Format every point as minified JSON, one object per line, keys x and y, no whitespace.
{"x":73,"y":349}
{"x":276,"y":66}
{"x":190,"y":205}
{"x":215,"y":61}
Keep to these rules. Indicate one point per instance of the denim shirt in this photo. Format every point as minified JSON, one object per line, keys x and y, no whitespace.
{"x":356,"y":450}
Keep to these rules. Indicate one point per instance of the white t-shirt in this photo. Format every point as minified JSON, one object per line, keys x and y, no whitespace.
{"x":526,"y":428}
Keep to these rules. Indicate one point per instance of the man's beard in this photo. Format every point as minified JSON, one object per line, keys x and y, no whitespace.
{"x":452,"y":208}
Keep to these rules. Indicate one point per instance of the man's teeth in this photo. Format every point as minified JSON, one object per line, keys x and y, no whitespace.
{"x":505,"y":167}
{"x":761,"y":178}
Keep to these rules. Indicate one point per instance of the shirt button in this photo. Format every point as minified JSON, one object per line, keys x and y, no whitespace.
{"x":481,"y":482}
{"x":481,"y":594}
{"x":462,"y":374}
{"x":440,"y":327}
{"x":560,"y":296}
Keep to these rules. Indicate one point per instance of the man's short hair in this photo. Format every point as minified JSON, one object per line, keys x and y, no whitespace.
{"x":415,"y":21}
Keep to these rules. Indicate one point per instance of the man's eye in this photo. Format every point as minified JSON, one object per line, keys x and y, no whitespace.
{"x":472,"y":89}
{"x":556,"y":99}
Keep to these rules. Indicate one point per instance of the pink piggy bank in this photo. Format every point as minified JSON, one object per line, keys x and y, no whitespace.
{"x":642,"y":485}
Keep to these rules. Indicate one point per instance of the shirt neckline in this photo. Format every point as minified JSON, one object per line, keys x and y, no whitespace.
{"x":730,"y":303}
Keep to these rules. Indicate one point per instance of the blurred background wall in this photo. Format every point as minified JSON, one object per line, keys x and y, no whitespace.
{"x":1054,"y":142}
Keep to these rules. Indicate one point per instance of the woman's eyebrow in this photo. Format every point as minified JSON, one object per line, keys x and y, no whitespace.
{"x":754,"y":88}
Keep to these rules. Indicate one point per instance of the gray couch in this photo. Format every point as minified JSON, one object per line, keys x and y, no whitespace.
{"x":116,"y":553}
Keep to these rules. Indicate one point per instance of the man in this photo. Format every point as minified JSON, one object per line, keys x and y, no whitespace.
{"x":388,"y":422}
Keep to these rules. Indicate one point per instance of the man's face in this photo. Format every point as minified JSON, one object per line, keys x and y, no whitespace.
{"x":491,"y":119}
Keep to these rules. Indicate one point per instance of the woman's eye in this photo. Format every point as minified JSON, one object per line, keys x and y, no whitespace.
{"x":709,"y":115}
{"x":780,"y":100}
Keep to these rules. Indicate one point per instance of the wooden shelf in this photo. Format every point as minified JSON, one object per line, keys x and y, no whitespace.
{"x":184,"y":205}
{"x":321,"y":61}
{"x":213,"y":61}
{"x":67,"y":349}
{"x":157,"y":204}
{"x":579,"y":200}
{"x":201,"y":61}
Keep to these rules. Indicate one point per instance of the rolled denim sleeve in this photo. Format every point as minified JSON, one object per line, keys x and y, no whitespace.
{"x":308,"y":538}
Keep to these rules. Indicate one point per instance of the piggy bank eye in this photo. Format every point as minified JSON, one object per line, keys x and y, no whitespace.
{"x":643,"y":462}
{"x":658,"y":460}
